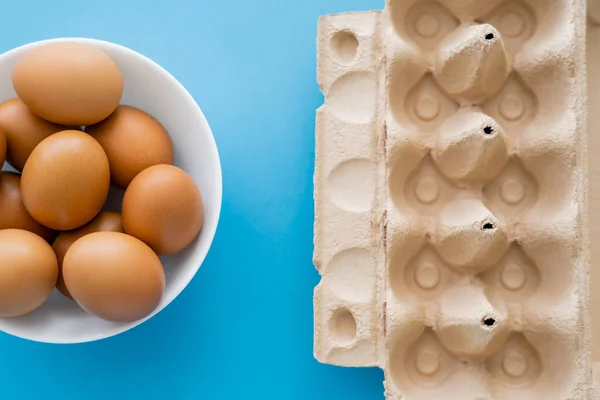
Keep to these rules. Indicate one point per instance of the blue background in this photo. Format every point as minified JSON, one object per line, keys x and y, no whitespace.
{"x":244,"y":327}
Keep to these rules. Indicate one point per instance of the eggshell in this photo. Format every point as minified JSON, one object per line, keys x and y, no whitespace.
{"x":65,"y":180}
{"x":28,"y":272}
{"x":114,"y":276}
{"x":133,"y":141}
{"x":69,"y":83}
{"x":13,"y":214}
{"x":24,"y":130}
{"x":106,"y":221}
{"x":163,"y":207}
{"x":2,"y":147}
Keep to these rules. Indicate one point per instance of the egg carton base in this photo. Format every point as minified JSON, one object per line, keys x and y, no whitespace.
{"x":358,"y":318}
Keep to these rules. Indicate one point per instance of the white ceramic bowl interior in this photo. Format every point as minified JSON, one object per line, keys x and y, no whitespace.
{"x":152,"y":89}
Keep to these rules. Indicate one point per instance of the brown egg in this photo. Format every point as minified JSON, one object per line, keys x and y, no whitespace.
{"x":13,"y":214}
{"x":163,"y":207}
{"x":130,"y":128}
{"x":28,"y":272}
{"x":2,"y":147}
{"x":69,"y":83}
{"x":106,"y":221}
{"x":24,"y":130}
{"x":65,"y":180}
{"x":114,"y":276}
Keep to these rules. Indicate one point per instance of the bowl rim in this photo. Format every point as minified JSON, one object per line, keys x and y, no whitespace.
{"x":217,"y":172}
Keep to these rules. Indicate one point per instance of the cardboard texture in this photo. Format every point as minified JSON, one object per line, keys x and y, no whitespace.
{"x":451,"y":197}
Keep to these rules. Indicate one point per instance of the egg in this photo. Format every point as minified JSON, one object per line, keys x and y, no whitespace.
{"x":24,"y":130}
{"x":68,"y":83}
{"x":28,"y":272}
{"x":65,"y":181}
{"x":131,"y":128}
{"x":2,"y":147}
{"x":106,"y":221}
{"x":163,"y":207}
{"x":114,"y":276}
{"x":13,"y":214}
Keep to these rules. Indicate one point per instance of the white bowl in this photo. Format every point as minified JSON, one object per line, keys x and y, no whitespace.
{"x":152,"y":89}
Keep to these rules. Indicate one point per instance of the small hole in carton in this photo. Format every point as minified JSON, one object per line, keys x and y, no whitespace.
{"x":489,"y":36}
{"x":342,"y":326}
{"x":487,"y":226}
{"x":345,"y":47}
{"x":488,"y":322}
{"x":488,"y":130}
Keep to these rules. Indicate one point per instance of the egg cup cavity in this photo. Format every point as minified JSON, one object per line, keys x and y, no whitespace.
{"x":193,"y":150}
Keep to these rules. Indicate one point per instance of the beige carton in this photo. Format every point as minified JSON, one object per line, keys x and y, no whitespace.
{"x":593,"y":66}
{"x":451,"y":197}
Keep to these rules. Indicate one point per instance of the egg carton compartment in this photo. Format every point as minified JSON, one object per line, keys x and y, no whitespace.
{"x":430,"y":362}
{"x":478,"y":229}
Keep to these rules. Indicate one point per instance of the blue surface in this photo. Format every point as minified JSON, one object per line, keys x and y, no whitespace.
{"x":243,"y":328}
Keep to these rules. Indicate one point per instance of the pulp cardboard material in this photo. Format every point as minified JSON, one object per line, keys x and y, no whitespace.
{"x":451,"y":197}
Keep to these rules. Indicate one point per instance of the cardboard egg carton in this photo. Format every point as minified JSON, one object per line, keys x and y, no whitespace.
{"x":451,"y":211}
{"x":593,"y":65}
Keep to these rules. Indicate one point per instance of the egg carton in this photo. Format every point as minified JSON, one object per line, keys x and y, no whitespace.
{"x":451,"y":221}
{"x":593,"y":65}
